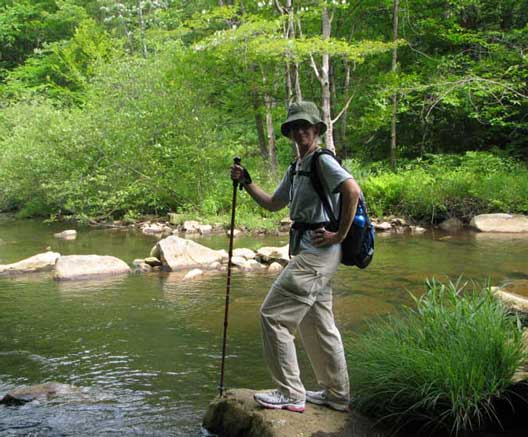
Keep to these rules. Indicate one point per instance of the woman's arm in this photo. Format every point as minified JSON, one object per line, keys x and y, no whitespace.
{"x":265,"y":200}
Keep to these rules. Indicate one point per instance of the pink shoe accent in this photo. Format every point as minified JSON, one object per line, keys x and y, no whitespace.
{"x":294,"y":409}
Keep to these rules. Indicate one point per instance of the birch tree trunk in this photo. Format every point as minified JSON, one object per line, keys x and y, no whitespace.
{"x":333,"y":99}
{"x":346,"y":93}
{"x":395,"y":12}
{"x":325,"y":85}
{"x":142,"y":28}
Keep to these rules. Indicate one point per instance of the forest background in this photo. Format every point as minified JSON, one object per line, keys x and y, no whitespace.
{"x":116,"y":109}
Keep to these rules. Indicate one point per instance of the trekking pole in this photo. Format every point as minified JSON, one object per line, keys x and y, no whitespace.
{"x":228,"y":285}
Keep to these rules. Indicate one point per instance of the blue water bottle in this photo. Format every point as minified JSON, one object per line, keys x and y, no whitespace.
{"x":359,"y":219}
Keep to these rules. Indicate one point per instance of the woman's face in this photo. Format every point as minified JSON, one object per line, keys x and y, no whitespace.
{"x":303,"y":133}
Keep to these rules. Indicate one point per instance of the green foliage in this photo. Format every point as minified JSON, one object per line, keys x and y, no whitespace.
{"x":441,"y":186}
{"x":141,"y":142}
{"x":62,"y":69}
{"x":441,"y":364}
{"x":108,"y":134}
{"x":26,"y":25}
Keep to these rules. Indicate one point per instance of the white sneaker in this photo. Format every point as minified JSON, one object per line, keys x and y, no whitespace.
{"x":276,"y":400}
{"x":321,"y":398}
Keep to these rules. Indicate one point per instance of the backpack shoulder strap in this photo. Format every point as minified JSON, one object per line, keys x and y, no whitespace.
{"x":291,"y":170}
{"x":318,"y":186}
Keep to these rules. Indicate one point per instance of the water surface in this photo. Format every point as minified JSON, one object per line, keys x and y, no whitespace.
{"x":145,"y":349}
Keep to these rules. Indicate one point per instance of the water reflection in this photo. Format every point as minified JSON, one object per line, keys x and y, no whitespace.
{"x":81,"y":287}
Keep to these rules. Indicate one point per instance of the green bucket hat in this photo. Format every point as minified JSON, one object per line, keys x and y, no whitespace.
{"x":307,"y":111}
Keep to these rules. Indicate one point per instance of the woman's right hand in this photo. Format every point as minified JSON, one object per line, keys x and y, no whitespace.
{"x":240,"y":174}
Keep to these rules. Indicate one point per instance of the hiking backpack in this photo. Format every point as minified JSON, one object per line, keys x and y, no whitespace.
{"x":358,"y":245}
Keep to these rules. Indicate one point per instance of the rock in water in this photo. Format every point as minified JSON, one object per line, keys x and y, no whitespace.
{"x":179,"y":254}
{"x":514,"y":296}
{"x":88,"y":267}
{"x":383,"y":226}
{"x":205,"y":229}
{"x":24,"y":395}
{"x":275,"y":267}
{"x":452,"y":224}
{"x":245,"y":253}
{"x":274,"y":254}
{"x":38,"y":263}
{"x":70,"y":234}
{"x":194,"y":273}
{"x":238,"y":415}
{"x":500,"y":223}
{"x":191,"y":226}
{"x":152,"y":261}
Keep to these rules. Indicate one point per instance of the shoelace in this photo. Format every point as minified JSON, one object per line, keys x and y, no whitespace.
{"x":280,"y":396}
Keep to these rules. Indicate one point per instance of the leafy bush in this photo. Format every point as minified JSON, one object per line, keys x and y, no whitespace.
{"x":442,"y":186}
{"x":442,"y":364}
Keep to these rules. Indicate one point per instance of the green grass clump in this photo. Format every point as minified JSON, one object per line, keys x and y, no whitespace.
{"x":442,"y":365}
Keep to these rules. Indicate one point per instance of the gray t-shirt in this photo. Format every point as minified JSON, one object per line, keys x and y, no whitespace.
{"x":303,"y":201}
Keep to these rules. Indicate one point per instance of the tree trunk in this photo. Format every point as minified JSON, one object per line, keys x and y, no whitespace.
{"x":259,"y":121}
{"x":395,"y":96}
{"x":346,"y":93}
{"x":142,"y":29}
{"x":272,"y":150}
{"x":289,"y":88}
{"x":325,"y":85}
{"x":333,"y":97}
{"x":293,"y":85}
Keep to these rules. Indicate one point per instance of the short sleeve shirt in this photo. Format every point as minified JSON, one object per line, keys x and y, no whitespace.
{"x":303,"y":201}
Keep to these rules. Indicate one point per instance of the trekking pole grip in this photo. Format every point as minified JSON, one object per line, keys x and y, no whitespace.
{"x":237,"y":161}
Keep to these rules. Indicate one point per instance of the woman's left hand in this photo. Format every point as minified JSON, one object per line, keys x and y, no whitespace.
{"x":322,"y":237}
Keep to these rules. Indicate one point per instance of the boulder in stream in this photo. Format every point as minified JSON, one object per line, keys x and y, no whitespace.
{"x":383,"y":226}
{"x":513,"y":223}
{"x":191,"y":226}
{"x":179,"y":254}
{"x":152,"y":261}
{"x":514,"y":296}
{"x":275,"y":267}
{"x":44,"y":391}
{"x":244,"y":253}
{"x":192,"y":274}
{"x":274,"y":254}
{"x":75,"y":267}
{"x":39,"y":263}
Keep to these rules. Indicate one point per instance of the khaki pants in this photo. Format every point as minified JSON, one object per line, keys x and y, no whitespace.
{"x":301,"y":299}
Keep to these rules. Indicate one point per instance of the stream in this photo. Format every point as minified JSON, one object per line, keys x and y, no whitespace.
{"x":145,"y":349}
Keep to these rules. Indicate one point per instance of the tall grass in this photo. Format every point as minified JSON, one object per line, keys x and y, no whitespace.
{"x":442,"y":364}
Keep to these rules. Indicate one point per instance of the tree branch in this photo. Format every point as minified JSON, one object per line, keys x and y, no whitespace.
{"x":338,"y":116}
{"x":279,"y":7}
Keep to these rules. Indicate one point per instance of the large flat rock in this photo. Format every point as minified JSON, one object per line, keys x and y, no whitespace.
{"x":38,"y":263}
{"x":512,"y":223}
{"x":76,"y":267}
{"x":238,"y":415}
{"x":180,"y":254}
